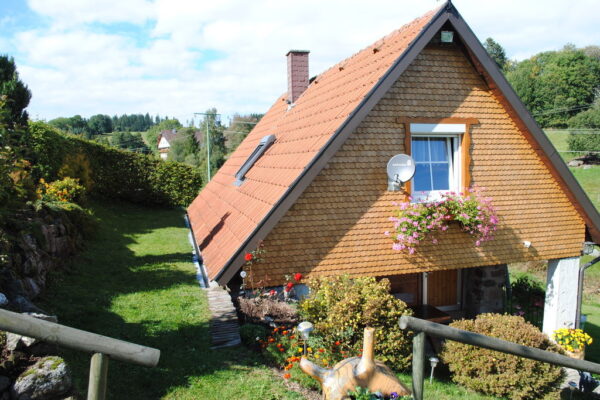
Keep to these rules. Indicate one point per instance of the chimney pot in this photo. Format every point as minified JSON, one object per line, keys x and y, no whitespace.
{"x":297,"y":63}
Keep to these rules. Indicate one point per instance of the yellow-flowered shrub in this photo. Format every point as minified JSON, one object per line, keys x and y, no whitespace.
{"x":66,"y":190}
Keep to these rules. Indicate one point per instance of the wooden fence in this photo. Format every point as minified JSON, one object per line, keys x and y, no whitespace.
{"x":422,"y":327}
{"x":102,"y":347}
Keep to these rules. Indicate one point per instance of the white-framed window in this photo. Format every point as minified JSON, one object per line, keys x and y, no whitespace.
{"x":436,"y":149}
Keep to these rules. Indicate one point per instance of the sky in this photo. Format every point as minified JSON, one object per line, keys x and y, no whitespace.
{"x":177,"y":57}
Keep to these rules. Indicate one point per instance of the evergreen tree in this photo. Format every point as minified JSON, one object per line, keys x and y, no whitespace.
{"x":15,"y":182}
{"x":496,"y":51}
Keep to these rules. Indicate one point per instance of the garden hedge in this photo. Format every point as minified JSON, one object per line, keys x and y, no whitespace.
{"x":112,"y":172}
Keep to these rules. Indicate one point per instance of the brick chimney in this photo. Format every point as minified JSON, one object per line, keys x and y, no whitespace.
{"x":297,"y":63}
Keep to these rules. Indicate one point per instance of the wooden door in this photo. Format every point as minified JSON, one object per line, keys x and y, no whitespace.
{"x":442,"y":288}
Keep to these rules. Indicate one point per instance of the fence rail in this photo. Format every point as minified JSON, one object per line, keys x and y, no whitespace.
{"x":102,"y":347}
{"x":422,"y":327}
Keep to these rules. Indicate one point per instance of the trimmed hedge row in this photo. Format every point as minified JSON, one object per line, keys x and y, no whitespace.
{"x":112,"y":172}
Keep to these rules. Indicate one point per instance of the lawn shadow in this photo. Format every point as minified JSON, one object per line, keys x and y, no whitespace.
{"x":108,"y":274}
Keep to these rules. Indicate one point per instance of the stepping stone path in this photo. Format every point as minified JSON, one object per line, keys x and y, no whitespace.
{"x":224,"y":327}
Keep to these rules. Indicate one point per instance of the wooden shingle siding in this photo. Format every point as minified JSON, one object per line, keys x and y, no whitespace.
{"x":337,"y":225}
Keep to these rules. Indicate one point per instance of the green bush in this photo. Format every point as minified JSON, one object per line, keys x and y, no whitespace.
{"x":112,"y":172}
{"x":498,"y":374}
{"x":341,"y":307}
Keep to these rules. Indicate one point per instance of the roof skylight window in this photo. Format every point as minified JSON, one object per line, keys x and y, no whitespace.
{"x":264,"y":144}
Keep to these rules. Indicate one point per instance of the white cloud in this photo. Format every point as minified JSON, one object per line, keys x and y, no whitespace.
{"x":67,"y":13}
{"x":230,"y":53}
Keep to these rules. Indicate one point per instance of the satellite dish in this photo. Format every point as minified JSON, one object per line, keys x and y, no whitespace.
{"x":400,"y":169}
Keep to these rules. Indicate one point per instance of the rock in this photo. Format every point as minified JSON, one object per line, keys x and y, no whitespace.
{"x":31,"y":288}
{"x":587,"y":167}
{"x":575,"y":163}
{"x":3,"y":300}
{"x":23,"y":305}
{"x":4,"y":383}
{"x":46,"y":379}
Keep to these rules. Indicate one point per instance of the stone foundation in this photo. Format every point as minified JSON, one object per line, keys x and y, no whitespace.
{"x":484,"y":290}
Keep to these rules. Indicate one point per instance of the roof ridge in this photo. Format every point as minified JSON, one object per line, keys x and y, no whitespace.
{"x":341,"y":64}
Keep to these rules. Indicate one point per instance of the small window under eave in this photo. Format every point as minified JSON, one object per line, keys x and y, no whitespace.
{"x":264,"y":144}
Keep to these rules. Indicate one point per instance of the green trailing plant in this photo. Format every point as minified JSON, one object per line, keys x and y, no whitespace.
{"x":341,"y":307}
{"x":499,"y":374}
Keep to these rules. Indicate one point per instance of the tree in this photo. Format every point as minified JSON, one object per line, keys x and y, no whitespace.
{"x":16,"y":92}
{"x":217,"y":142}
{"x":99,"y":124}
{"x":239,"y":128}
{"x":585,"y":140}
{"x":496,"y":51}
{"x":556,"y":85}
{"x":14,"y":136}
{"x":129,"y":141}
{"x":185,"y":148}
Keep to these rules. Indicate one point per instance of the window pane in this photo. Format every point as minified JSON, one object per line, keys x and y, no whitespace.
{"x":439,"y":151}
{"x":420,"y":152}
{"x":441,"y":176}
{"x":422,"y":179}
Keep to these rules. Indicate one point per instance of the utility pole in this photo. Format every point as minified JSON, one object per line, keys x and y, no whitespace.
{"x":217,"y":116}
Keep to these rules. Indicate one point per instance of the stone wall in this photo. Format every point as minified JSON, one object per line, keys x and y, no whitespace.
{"x":484,"y":289}
{"x":38,"y":243}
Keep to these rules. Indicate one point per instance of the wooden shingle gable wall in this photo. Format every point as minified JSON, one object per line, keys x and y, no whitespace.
{"x":337,"y":224}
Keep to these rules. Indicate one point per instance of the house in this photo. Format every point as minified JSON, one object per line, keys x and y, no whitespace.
{"x":310,"y":183}
{"x":165,"y":139}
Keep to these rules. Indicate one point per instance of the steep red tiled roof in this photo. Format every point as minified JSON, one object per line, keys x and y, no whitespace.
{"x":223,"y":215}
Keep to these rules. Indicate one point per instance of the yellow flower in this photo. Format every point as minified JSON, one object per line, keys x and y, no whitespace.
{"x":299,"y":349}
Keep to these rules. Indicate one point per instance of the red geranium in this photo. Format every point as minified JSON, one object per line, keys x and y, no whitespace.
{"x":297,"y":276}
{"x":248,"y":257}
{"x":289,"y":286}
{"x":272,"y":292}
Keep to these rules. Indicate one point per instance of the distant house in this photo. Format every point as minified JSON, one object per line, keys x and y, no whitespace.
{"x":165,"y":139}
{"x":310,"y":181}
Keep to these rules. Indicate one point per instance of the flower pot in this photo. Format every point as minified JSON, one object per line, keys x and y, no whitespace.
{"x":578,"y":354}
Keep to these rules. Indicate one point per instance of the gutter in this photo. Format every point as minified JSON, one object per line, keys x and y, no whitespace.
{"x":580,"y":290}
{"x":197,"y":255}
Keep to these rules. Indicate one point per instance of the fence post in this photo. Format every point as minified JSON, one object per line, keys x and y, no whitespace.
{"x":98,"y":377}
{"x":418,"y":365}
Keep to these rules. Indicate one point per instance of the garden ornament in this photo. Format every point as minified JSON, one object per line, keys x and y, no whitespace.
{"x":362,"y":371}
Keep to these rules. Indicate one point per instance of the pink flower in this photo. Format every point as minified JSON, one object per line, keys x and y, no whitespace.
{"x":411,"y":250}
{"x":386,"y":233}
{"x":434,"y":241}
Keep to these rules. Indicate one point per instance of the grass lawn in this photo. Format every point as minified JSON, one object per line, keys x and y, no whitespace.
{"x":135,"y":282}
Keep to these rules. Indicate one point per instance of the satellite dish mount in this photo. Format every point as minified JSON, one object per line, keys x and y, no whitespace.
{"x":400,"y":169}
